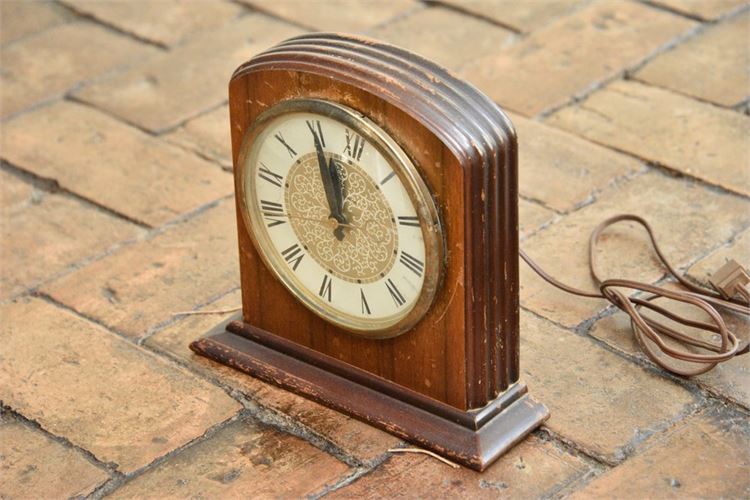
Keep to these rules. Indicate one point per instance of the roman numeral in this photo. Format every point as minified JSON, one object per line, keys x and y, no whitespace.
{"x":312,"y":125}
{"x":269,"y":176}
{"x":325,"y":288}
{"x":289,"y":149}
{"x":408,"y":220}
{"x":354,"y":145}
{"x":293,"y":256}
{"x":412,"y":263}
{"x":395,"y":294}
{"x":388,"y":177}
{"x":365,"y":306}
{"x":272,"y":210}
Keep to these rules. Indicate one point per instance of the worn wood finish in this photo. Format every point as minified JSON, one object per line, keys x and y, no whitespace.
{"x":459,"y":365}
{"x":465,"y":149}
{"x":441,"y":429}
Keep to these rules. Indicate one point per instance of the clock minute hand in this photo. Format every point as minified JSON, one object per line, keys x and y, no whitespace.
{"x":328,"y":183}
{"x":325,"y":174}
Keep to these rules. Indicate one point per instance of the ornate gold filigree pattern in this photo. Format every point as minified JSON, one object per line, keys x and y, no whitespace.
{"x":368,"y":250}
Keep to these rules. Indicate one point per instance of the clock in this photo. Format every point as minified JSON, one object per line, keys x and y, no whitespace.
{"x":339,"y":213}
{"x":377,"y":220}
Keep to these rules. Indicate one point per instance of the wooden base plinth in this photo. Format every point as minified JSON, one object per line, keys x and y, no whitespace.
{"x":474,"y":438}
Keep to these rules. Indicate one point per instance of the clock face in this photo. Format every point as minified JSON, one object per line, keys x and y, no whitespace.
{"x":340,"y":215}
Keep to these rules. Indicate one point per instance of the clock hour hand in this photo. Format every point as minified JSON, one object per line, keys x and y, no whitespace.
{"x":338,"y":190}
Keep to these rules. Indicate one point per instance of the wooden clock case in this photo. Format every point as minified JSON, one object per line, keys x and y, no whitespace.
{"x":451,"y":384}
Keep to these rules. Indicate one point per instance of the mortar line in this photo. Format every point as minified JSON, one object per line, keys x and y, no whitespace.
{"x":53,"y":186}
{"x":524,"y":238}
{"x":112,"y":27}
{"x":736,"y":108}
{"x":209,"y":433}
{"x":416,"y":8}
{"x":663,"y":168}
{"x":109,"y":467}
{"x":352,"y":477}
{"x":262,"y":413}
{"x":259,"y":9}
{"x":175,"y":318}
{"x":672,"y":11}
{"x":259,"y":411}
{"x":64,"y":94}
{"x":628,"y":69}
{"x":596,"y":192}
{"x":695,"y":17}
{"x":459,"y":9}
{"x":595,"y":466}
{"x":194,"y":148}
{"x":80,"y":315}
{"x":732,"y":108}
{"x":73,"y":97}
{"x":288,"y":425}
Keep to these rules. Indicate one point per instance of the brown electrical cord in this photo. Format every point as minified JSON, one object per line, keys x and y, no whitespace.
{"x":649,"y":332}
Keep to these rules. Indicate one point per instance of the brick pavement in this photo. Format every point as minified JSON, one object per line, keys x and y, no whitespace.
{"x":117,"y":214}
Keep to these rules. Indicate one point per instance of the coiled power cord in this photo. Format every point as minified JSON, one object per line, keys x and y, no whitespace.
{"x":678,"y":352}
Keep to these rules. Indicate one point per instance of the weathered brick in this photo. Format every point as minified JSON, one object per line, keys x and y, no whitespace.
{"x":166,"y":22}
{"x":711,"y":66}
{"x":245,"y":458}
{"x":691,"y":137}
{"x":597,"y":399}
{"x":190,"y":79}
{"x":354,"y":438}
{"x":705,"y":457}
{"x":532,"y":216}
{"x":704,"y":9}
{"x":90,"y":153}
{"x":523,"y":16}
{"x":443,"y":35}
{"x":41,"y":239}
{"x":670,"y":205}
{"x":533,"y":469}
{"x":335,"y":15}
{"x":51,"y":63}
{"x":573,"y":54}
{"x":99,"y":391}
{"x":141,"y":286}
{"x":20,"y":18}
{"x":207,"y":135}
{"x":35,"y":466}
{"x":560,"y":169}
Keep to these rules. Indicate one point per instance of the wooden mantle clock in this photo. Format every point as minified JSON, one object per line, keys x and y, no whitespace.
{"x":377,"y":215}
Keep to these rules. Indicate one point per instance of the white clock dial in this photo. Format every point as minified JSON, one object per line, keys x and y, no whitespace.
{"x":341,"y":217}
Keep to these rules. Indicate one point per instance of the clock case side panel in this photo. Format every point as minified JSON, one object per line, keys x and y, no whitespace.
{"x":428,"y":359}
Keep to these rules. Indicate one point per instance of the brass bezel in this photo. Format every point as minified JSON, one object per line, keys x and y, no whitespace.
{"x":419,"y":193}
